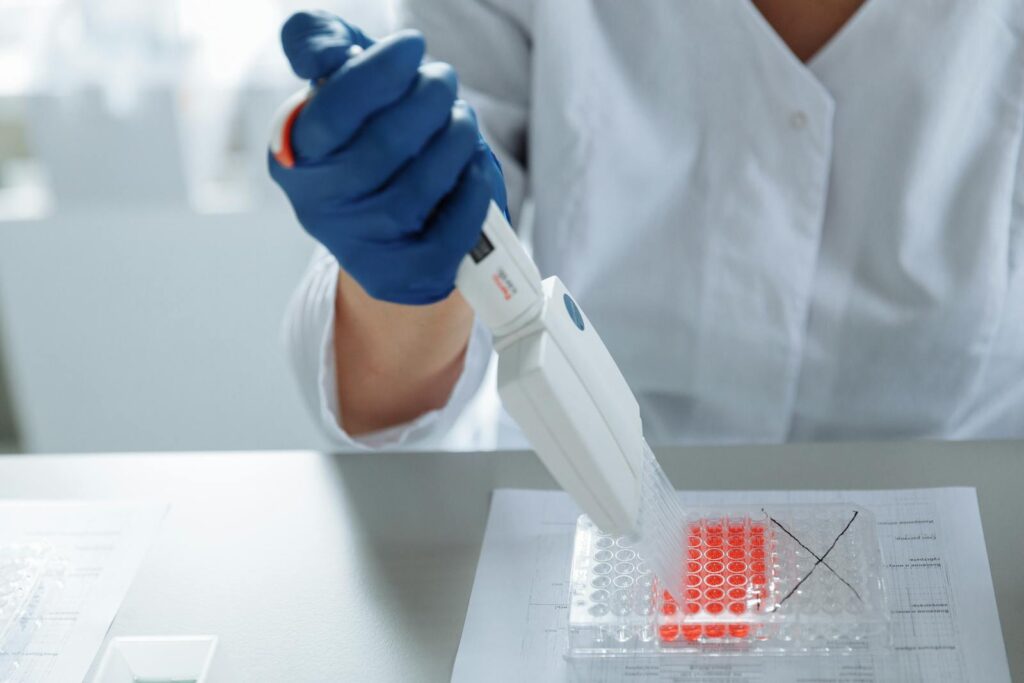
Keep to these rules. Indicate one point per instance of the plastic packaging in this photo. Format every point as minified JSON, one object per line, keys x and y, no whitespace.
{"x":21,"y":570}
{"x":754,"y":580}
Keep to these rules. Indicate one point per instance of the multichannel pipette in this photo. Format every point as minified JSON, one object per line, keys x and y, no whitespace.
{"x":560,"y":384}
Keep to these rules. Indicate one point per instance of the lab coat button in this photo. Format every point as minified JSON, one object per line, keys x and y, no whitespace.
{"x":798,"y":120}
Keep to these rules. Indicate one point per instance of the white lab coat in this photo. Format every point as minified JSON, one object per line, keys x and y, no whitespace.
{"x":771,"y":250}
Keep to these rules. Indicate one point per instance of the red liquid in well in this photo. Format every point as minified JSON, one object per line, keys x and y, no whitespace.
{"x":725,"y":576}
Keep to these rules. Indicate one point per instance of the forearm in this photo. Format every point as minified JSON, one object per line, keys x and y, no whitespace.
{"x":395,"y":362}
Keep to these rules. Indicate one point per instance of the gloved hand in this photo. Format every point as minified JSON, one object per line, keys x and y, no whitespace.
{"x":391,"y":174}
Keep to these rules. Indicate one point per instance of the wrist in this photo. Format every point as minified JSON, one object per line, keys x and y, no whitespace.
{"x":400,"y":340}
{"x":395,"y":362}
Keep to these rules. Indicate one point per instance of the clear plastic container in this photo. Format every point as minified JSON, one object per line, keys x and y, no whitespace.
{"x":778,"y":579}
{"x":21,"y":569}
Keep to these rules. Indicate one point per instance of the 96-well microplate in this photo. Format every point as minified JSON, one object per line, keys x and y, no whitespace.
{"x":789,"y":579}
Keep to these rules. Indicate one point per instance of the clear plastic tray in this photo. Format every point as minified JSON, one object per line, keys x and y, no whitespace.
{"x":779,"y":579}
{"x":21,"y":569}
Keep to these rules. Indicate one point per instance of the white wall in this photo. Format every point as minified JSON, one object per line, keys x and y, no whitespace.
{"x":130,"y":319}
{"x":152,"y":330}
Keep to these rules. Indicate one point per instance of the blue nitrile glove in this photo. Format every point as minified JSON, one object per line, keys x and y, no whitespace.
{"x":391,"y":173}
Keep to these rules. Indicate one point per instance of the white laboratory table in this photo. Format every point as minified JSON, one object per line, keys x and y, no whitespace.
{"x":358,"y":567}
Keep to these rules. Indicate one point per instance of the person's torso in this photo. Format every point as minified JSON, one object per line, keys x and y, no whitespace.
{"x":774,"y":250}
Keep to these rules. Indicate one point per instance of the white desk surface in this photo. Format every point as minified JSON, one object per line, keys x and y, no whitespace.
{"x":358,"y":567}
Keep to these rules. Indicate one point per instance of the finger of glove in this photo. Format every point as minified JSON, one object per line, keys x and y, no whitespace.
{"x":458,"y":221}
{"x":367,"y":83}
{"x":496,"y":179}
{"x":339,"y":183}
{"x":422,"y":268}
{"x":318,"y":43}
{"x":415,"y":192}
{"x":395,"y":135}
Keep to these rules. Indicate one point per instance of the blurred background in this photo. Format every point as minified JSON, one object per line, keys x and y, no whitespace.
{"x":146,"y":259}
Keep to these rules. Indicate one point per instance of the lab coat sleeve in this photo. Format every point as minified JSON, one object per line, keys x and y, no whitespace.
{"x":309,"y":337}
{"x":488,"y":43}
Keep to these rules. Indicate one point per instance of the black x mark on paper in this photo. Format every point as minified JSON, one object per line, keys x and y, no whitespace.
{"x":820,"y":560}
